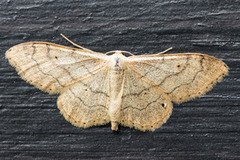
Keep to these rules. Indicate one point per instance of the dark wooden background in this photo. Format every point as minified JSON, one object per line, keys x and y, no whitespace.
{"x":31,"y":126}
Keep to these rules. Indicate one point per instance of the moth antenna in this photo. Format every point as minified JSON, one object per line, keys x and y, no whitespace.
{"x":165,"y":51}
{"x":129,"y":53}
{"x":76,"y":45}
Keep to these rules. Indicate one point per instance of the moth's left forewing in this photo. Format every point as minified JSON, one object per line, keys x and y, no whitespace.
{"x":182,"y":76}
{"x":53,"y":67}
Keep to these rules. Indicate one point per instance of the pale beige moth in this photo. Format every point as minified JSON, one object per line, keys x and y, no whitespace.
{"x":96,"y":88}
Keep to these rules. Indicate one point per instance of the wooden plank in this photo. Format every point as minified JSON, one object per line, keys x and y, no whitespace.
{"x":205,"y":128}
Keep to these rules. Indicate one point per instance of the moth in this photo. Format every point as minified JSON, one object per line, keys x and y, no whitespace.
{"x":96,"y":88}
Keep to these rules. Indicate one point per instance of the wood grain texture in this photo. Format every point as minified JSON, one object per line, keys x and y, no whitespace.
{"x":205,"y":128}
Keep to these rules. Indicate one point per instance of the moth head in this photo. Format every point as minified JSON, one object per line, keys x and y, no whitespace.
{"x":118,"y":52}
{"x":116,"y":59}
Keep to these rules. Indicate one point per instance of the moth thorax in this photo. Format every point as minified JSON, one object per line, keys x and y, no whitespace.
{"x":117,"y":70}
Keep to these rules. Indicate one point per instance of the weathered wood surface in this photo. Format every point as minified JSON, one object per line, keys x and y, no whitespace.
{"x":31,"y":126}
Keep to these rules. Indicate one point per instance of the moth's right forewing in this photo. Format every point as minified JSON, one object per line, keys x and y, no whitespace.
{"x":181,"y":76}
